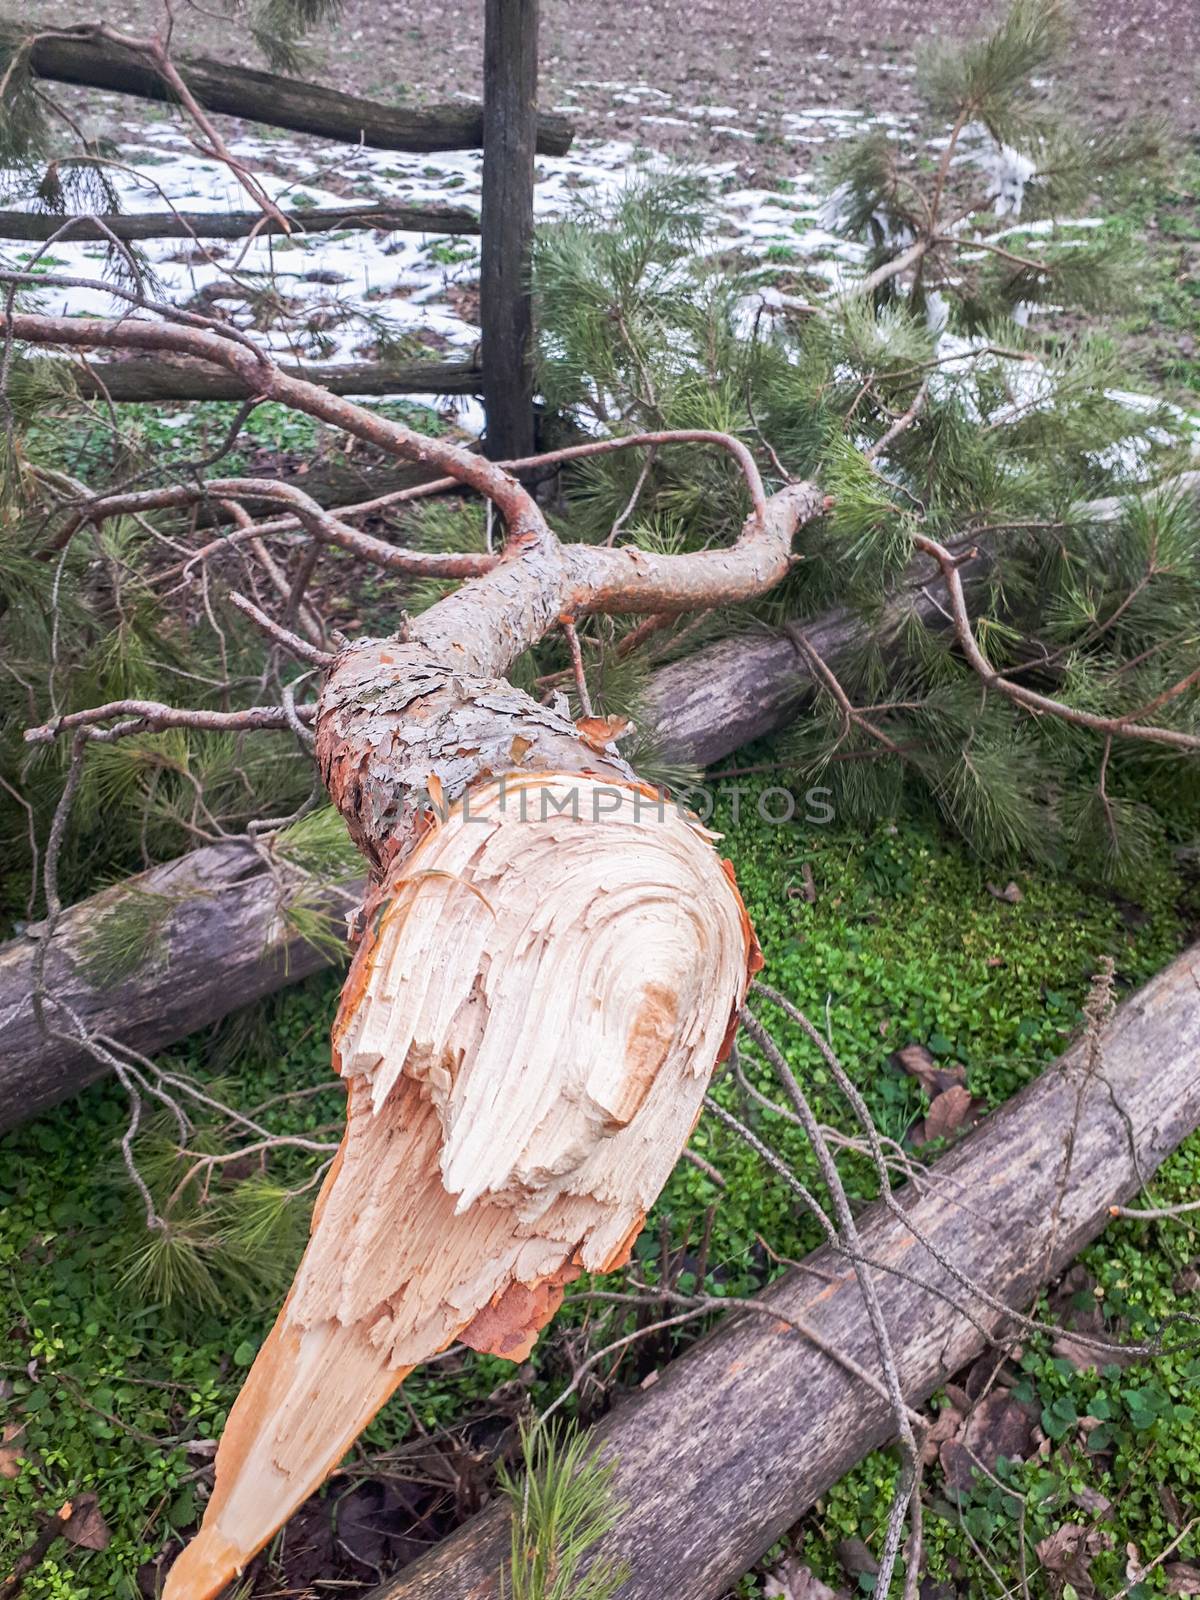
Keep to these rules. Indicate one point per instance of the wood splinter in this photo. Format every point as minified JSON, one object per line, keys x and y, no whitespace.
{"x":527,"y":1032}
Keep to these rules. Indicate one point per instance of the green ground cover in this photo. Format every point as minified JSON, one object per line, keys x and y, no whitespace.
{"x":117,"y":1353}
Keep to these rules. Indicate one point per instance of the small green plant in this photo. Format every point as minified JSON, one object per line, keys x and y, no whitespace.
{"x":561,"y":1508}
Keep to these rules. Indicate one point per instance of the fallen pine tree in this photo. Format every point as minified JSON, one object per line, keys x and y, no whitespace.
{"x":740,"y":1436}
{"x":224,"y":939}
{"x":533,"y":1014}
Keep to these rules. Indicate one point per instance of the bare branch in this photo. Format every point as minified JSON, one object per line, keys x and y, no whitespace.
{"x":1123,"y":727}
{"x":273,"y":630}
{"x":151,"y":714}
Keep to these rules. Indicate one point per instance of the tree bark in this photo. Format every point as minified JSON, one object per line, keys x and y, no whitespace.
{"x":138,"y":379}
{"x":223,"y":943}
{"x":76,"y":56}
{"x":742,"y":1434}
{"x":139,"y":225}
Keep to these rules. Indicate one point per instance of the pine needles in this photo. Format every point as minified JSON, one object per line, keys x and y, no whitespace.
{"x":943,"y":397}
{"x":560,"y":1509}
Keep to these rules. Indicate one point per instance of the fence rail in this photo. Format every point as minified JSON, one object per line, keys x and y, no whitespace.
{"x":75,"y":55}
{"x":132,"y":227}
{"x":138,"y":379}
{"x":507,"y":125}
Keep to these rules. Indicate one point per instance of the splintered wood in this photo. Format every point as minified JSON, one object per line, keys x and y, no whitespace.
{"x":527,"y":1032}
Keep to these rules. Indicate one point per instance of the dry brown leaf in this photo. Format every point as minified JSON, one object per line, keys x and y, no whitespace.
{"x":598,"y":732}
{"x":999,"y":1426}
{"x":946,"y":1425}
{"x":1067,"y":1555}
{"x":950,"y":1112}
{"x":1182,"y":1577}
{"x":85,"y":1526}
{"x":1092,"y":1501}
{"x":856,"y":1558}
{"x":1170,"y":1503}
{"x":792,"y":1581}
{"x":11,"y":1453}
{"x":916,"y":1060}
{"x":1010,"y":894}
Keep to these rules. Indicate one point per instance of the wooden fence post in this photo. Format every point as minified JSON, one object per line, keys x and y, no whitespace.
{"x":510,"y":64}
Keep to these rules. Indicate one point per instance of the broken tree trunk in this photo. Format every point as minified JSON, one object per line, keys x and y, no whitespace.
{"x":217,"y":953}
{"x":552,"y":964}
{"x":700,"y":709}
{"x":135,"y":226}
{"x":193,"y":380}
{"x":80,"y":56}
{"x":741,"y":1435}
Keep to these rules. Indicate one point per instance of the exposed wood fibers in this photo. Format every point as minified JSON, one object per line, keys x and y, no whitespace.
{"x":527,"y":1032}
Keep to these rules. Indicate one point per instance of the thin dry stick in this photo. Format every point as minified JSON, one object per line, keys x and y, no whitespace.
{"x":848,"y":1232}
{"x":143,"y":714}
{"x":1144,"y":1572}
{"x":901,"y":424}
{"x":581,"y":686}
{"x":281,"y":635}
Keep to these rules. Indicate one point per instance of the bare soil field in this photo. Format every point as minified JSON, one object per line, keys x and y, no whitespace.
{"x":715,"y":80}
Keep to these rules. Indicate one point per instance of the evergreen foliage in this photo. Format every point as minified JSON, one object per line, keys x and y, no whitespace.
{"x":560,"y":1509}
{"x":953,"y":398}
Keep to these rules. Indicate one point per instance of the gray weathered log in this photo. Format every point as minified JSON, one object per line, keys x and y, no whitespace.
{"x":223,"y":944}
{"x":742,"y":1434}
{"x":139,"y":379}
{"x":78,"y":56}
{"x":138,"y":225}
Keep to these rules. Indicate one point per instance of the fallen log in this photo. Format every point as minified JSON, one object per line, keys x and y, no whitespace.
{"x":742,"y":1434}
{"x":138,"y":379}
{"x":222,"y":941}
{"x":77,"y":55}
{"x":136,"y":226}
